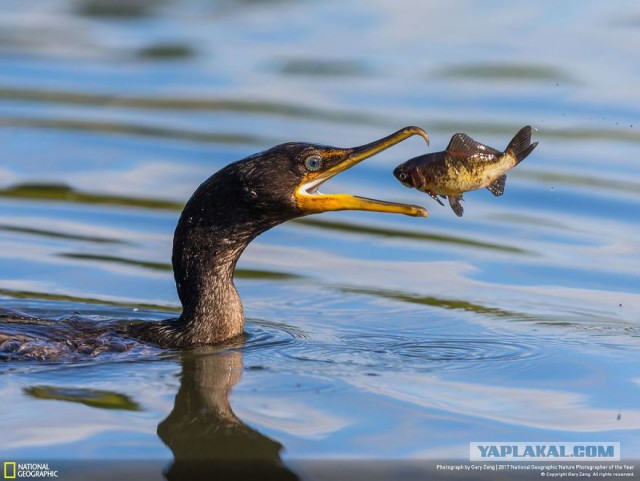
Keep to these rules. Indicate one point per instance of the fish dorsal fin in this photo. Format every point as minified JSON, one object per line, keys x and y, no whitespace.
{"x":463,"y":144}
{"x":497,"y":186}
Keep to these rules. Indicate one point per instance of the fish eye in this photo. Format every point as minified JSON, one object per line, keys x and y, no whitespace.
{"x":313,"y":163}
{"x":403,"y":176}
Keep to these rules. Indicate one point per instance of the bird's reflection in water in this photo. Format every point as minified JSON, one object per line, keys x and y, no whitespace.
{"x":207,"y":439}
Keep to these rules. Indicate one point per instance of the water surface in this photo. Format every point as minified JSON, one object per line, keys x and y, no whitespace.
{"x":369,"y":336}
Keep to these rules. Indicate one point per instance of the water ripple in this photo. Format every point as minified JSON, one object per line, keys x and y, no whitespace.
{"x":382,"y":352}
{"x":263,"y":335}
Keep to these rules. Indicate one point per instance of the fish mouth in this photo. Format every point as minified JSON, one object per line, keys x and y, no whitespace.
{"x":310,"y":201}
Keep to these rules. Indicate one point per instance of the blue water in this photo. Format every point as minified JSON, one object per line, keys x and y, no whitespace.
{"x":370,"y":336}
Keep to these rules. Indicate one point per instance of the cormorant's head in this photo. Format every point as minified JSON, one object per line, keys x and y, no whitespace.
{"x":286,"y":178}
{"x":241,"y":201}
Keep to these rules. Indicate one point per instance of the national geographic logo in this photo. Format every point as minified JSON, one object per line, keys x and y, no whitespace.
{"x":9,"y":470}
{"x":13,"y":470}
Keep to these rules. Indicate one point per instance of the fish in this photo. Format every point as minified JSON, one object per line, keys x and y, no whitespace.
{"x":463,"y":166}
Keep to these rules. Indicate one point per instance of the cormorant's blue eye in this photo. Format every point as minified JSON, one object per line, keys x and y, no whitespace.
{"x":313,"y":163}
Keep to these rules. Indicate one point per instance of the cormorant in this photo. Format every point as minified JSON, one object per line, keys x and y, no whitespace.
{"x":231,"y":208}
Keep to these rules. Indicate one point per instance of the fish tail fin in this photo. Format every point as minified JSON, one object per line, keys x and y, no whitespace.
{"x":521,"y":146}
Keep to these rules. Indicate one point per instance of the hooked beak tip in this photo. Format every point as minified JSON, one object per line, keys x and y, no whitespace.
{"x":312,"y":202}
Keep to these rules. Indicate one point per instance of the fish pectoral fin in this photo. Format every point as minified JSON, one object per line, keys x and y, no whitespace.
{"x":454,"y":202}
{"x":434,"y":197}
{"x":497,"y":186}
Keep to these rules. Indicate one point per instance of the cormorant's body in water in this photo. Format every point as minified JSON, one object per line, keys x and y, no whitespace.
{"x":235,"y":205}
{"x":230,"y":209}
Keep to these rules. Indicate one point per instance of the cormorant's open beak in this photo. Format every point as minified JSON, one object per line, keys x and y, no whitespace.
{"x":310,"y":201}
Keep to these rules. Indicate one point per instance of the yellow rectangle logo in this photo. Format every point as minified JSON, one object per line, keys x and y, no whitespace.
{"x":9,"y":470}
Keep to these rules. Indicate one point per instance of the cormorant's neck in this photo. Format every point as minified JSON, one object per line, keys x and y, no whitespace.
{"x":215,"y":227}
